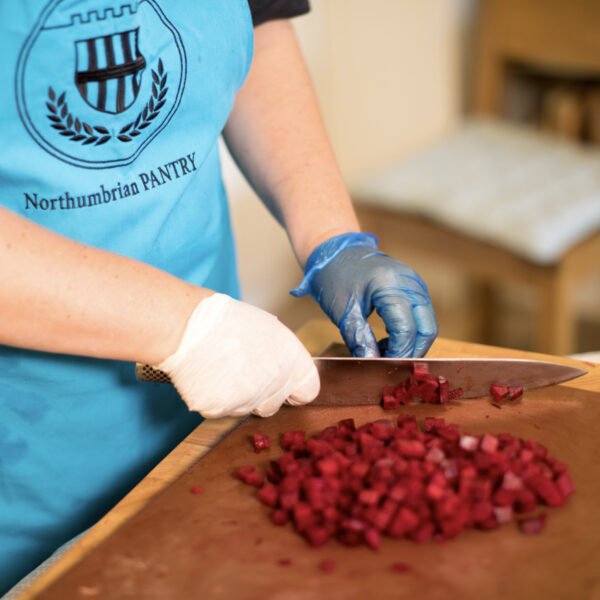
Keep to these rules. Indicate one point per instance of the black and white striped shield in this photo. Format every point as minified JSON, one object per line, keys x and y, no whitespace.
{"x":109,"y":70}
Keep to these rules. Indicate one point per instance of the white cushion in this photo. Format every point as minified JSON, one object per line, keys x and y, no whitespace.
{"x":532,"y":193}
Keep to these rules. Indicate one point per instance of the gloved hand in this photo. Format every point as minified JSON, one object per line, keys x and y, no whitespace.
{"x":350,"y":278}
{"x":235,"y":358}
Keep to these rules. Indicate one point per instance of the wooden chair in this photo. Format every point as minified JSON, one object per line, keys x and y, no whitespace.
{"x":549,"y":37}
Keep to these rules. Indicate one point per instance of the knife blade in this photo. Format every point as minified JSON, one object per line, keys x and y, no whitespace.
{"x":358,"y":381}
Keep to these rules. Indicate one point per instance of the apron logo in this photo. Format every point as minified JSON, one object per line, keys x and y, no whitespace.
{"x":120,"y":93}
{"x":114,"y":87}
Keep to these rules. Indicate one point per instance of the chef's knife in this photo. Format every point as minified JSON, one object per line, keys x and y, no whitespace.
{"x":356,"y":381}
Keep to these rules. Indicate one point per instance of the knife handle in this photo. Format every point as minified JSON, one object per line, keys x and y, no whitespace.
{"x":149,"y":373}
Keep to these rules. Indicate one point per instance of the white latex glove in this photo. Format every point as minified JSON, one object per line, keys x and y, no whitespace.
{"x":235,"y":359}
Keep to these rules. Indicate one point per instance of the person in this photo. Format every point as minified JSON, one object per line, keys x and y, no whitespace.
{"x":116,"y":245}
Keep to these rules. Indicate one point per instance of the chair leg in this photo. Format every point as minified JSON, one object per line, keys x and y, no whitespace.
{"x":483,"y":314}
{"x":555,"y":324}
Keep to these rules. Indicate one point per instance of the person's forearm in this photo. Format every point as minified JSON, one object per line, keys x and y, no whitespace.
{"x":277,"y":136}
{"x":58,"y":295}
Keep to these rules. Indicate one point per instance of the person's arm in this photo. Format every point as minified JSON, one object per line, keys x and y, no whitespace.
{"x":277,"y":136}
{"x":58,"y":295}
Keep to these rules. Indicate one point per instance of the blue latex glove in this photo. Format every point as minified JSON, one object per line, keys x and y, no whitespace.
{"x":349,"y":278}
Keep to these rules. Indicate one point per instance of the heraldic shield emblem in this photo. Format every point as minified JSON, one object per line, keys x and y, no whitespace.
{"x":97,"y":81}
{"x":109,"y":70}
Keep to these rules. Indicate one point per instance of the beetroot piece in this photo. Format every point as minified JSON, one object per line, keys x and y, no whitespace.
{"x":197,"y":489}
{"x":328,"y":565}
{"x":261,"y":442}
{"x":248,"y":474}
{"x":421,"y":386}
{"x":401,"y":567}
{"x":501,"y":392}
{"x":358,"y":484}
{"x":532,"y":525}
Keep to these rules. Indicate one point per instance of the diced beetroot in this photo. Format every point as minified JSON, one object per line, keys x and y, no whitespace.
{"x":369,"y":496}
{"x":532,"y":525}
{"x":546,"y":490}
{"x":197,"y":489}
{"x":481,"y":511}
{"x":347,"y":425}
{"x":401,"y":567}
{"x":357,"y":484}
{"x":327,"y":565}
{"x":248,"y":474}
{"x":261,"y":442}
{"x":317,"y":536}
{"x":444,"y":390}
{"x":565,"y":485}
{"x":404,"y":521}
{"x":268,"y":494}
{"x":489,"y":443}
{"x":503,"y":514}
{"x":423,"y":532}
{"x":303,"y":516}
{"x":511,"y":481}
{"x":390,"y":403}
{"x":279,"y":516}
{"x":372,"y":538}
{"x":515,"y":391}
{"x":525,"y":501}
{"x":455,"y":393}
{"x":469,"y":443}
{"x":292,"y":439}
{"x":499,"y":392}
{"x":328,"y":466}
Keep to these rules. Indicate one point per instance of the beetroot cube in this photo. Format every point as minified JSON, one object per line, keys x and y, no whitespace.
{"x":248,"y":474}
{"x":468,"y":443}
{"x":565,"y":485}
{"x":503,"y":514}
{"x":420,"y":371}
{"x":423,"y":532}
{"x":261,"y":442}
{"x":292,"y":439}
{"x":532,"y":525}
{"x":372,"y":538}
{"x":197,"y":489}
{"x":546,"y":490}
{"x":499,"y":392}
{"x":328,"y":466}
{"x":404,"y":521}
{"x":317,"y":536}
{"x":489,"y":443}
{"x":347,"y":425}
{"x":455,"y":393}
{"x":515,"y":391}
{"x":390,"y":403}
{"x":444,"y":390}
{"x":369,"y":496}
{"x":269,"y":495}
{"x":279,"y":517}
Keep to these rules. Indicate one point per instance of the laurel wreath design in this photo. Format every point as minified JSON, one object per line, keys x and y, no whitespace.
{"x":72,"y":127}
{"x":76,"y":130}
{"x":152,"y":108}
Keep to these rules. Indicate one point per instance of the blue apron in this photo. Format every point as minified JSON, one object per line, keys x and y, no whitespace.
{"x":110,"y":115}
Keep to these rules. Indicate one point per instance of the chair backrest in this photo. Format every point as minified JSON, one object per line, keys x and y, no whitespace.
{"x":554,"y":36}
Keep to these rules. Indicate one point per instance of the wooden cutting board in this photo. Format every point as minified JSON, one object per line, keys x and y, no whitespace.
{"x":221,"y":544}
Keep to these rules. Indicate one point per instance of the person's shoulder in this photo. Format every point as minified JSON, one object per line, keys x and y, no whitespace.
{"x":268,"y":10}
